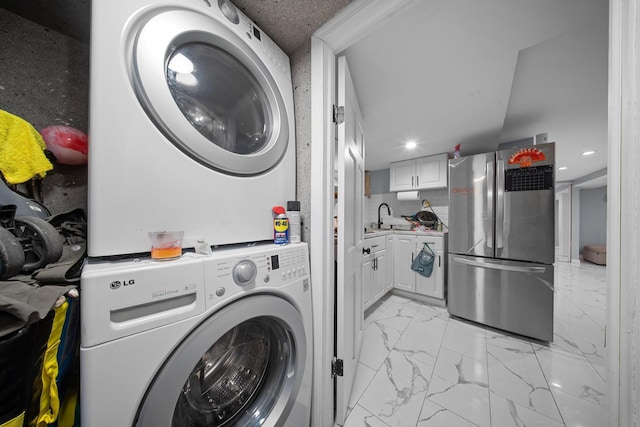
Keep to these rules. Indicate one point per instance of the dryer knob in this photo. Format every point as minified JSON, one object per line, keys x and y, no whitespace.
{"x":244,"y":273}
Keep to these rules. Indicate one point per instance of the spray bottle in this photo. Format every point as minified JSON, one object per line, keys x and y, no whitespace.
{"x":280,"y":226}
{"x":295,"y":227}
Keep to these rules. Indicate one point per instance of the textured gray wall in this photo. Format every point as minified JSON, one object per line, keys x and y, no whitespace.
{"x":45,"y":81}
{"x":301,"y":76}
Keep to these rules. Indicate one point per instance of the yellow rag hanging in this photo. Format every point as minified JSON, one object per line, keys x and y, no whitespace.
{"x":21,"y":150}
{"x":50,"y":398}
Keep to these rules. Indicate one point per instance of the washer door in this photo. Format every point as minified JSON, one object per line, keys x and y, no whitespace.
{"x":242,"y":366}
{"x":208,"y":92}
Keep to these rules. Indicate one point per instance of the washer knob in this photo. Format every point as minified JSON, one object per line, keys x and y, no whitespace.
{"x":244,"y":273}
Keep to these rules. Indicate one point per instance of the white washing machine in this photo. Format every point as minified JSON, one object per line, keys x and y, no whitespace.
{"x":191,"y":125}
{"x":220,"y":340}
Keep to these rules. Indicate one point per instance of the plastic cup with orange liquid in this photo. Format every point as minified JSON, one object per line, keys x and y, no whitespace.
{"x":166,"y":244}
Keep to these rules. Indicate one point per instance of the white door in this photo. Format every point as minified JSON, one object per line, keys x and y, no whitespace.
{"x":349,"y":312}
{"x":404,"y":277}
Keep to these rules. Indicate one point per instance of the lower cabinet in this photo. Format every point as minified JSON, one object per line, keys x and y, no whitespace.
{"x":374,"y":270}
{"x":389,"y":248}
{"x":404,"y":276}
{"x":406,"y":249}
{"x":367,"y":277}
{"x":386,"y":264}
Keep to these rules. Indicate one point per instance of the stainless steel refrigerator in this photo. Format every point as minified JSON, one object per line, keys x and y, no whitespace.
{"x":502,"y":241}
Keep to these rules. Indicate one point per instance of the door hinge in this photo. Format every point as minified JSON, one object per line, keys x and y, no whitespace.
{"x":337,"y":368}
{"x":338,"y":115}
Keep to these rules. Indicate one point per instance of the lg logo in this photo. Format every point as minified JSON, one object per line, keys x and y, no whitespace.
{"x":116,"y":283}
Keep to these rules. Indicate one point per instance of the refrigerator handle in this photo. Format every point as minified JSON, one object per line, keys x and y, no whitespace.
{"x":489,"y":195}
{"x":499,"y":204}
{"x":499,"y":266}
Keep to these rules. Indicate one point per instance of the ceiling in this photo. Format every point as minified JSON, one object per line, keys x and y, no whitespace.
{"x":447,"y":72}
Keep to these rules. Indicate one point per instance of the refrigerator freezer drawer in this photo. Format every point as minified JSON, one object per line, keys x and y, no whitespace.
{"x":513,"y":296}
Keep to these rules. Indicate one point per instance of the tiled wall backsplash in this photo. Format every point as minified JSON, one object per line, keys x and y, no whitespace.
{"x":439,"y":200}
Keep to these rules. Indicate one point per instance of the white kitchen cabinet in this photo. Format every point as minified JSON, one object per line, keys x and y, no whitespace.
{"x":419,"y":174}
{"x":402,"y":175}
{"x":389,"y":265}
{"x":432,"y":171}
{"x":407,"y":247}
{"x":404,"y":277}
{"x":379,"y":274}
{"x":367,"y":277}
{"x":433,"y":285}
{"x":374,"y":267}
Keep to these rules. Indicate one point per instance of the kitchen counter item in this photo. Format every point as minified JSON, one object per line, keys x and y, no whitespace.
{"x":425,"y":218}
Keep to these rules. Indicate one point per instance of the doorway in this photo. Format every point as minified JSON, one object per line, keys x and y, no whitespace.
{"x":361,"y":17}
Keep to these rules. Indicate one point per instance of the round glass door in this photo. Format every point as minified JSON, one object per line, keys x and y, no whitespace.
{"x":239,"y":377}
{"x":208,"y":92}
{"x":220,"y":97}
{"x":243,"y":366}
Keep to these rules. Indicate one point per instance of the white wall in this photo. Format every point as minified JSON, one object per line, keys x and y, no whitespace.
{"x":439,"y":200}
{"x":593,"y":217}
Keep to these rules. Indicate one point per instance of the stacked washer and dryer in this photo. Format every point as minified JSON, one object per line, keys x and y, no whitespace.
{"x":191,"y":129}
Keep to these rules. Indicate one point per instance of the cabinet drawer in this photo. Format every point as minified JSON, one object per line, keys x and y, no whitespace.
{"x":375,"y":243}
{"x":436,"y":243}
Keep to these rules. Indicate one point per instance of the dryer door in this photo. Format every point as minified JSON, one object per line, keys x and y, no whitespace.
{"x":208,"y":92}
{"x":242,"y":366}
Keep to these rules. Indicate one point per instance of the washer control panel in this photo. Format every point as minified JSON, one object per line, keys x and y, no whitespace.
{"x":229,"y":272}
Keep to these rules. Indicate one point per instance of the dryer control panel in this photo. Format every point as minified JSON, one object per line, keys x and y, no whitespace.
{"x":239,"y":271}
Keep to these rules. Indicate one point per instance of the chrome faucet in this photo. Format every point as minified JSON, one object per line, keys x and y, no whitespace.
{"x":388,"y":213}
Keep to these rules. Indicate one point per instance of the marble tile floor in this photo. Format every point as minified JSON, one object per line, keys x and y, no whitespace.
{"x":419,"y":367}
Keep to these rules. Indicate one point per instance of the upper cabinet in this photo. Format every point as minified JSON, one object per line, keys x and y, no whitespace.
{"x":419,"y":174}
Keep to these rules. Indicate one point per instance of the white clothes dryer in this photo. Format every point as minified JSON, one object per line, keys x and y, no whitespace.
{"x":191,"y":125}
{"x":220,"y":340}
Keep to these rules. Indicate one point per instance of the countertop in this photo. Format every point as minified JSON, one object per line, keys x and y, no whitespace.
{"x":370,"y":232}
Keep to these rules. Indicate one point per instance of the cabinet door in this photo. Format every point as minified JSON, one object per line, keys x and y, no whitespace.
{"x":431,"y":172}
{"x":379,"y":273}
{"x":388,"y":283}
{"x":367,"y":285}
{"x":433,"y":285}
{"x":404,"y":277}
{"x":402,"y":176}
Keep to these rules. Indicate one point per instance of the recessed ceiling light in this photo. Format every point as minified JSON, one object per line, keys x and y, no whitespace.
{"x":562,"y":168}
{"x":410,"y":145}
{"x":588,"y":153}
